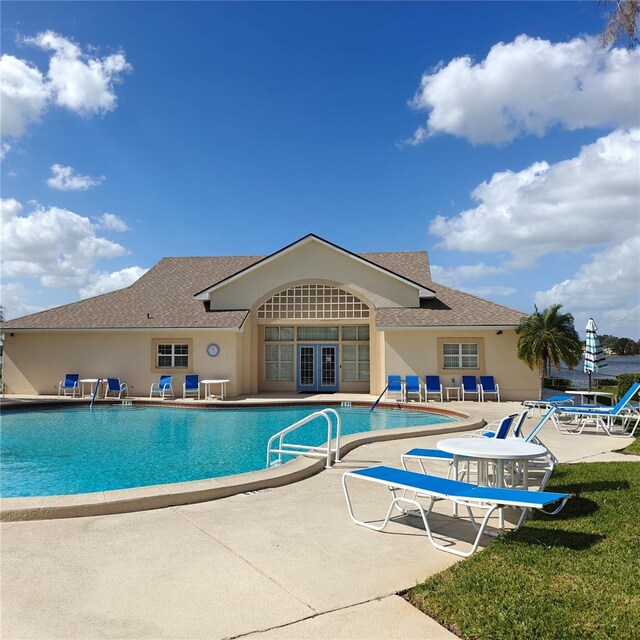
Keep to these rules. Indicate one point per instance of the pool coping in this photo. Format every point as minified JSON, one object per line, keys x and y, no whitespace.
{"x":181,"y":493}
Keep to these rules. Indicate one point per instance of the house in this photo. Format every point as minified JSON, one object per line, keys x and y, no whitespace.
{"x":311,"y":317}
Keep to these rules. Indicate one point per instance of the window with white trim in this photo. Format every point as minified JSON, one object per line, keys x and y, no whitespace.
{"x":278,"y":362}
{"x":172,"y":356}
{"x":460,"y":355}
{"x":278,"y":334}
{"x":355,"y":362}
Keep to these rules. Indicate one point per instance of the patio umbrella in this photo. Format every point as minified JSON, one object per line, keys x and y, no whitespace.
{"x":594,"y":359}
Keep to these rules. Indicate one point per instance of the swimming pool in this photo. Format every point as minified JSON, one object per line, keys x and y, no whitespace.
{"x":74,"y":450}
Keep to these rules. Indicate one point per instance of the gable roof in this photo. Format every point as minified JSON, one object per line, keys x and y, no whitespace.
{"x":424,"y":291}
{"x":163,"y":298}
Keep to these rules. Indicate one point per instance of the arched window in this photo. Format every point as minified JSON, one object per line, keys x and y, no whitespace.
{"x":312,"y":302}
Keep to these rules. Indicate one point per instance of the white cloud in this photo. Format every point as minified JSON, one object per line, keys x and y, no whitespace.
{"x":106,"y":282}
{"x":14,"y":297}
{"x":74,"y":80}
{"x":589,"y":200}
{"x":65,"y":179}
{"x":23,"y":95}
{"x":78,"y":82}
{"x":526,"y":87}
{"x":454,"y":276}
{"x":112,"y":222}
{"x":5,"y":147}
{"x":611,"y":281}
{"x":55,"y":245}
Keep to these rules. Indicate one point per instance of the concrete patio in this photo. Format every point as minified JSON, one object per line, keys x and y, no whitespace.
{"x":279,"y":563}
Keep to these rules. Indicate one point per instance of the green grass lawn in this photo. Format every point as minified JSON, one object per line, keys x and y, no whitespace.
{"x":574,"y":575}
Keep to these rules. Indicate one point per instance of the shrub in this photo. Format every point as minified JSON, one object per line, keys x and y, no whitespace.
{"x":625,"y":380}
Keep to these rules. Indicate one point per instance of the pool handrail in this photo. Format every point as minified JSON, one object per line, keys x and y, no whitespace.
{"x":299,"y":449}
{"x":95,"y":393}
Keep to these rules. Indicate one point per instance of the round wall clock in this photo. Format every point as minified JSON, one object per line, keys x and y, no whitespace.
{"x":213,"y":350}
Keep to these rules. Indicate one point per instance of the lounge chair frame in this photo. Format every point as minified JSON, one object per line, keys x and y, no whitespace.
{"x":70,"y":383}
{"x":164,"y":387}
{"x":433,"y":488}
{"x":116,"y":387}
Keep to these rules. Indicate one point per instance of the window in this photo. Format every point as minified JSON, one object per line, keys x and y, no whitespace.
{"x":356,"y":333}
{"x":313,"y":334}
{"x":313,"y":301}
{"x":278,"y":362}
{"x":282,"y":334}
{"x":460,"y":356}
{"x":172,"y":356}
{"x":355,"y":362}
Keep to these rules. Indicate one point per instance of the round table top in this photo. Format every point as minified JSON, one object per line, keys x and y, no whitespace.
{"x":492,"y":448}
{"x":212,"y":381}
{"x":90,"y":379}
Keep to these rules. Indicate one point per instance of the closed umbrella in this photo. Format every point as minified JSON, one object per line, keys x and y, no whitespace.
{"x":594,"y":359}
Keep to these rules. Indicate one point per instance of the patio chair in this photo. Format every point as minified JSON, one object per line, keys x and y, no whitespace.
{"x":604,"y":417}
{"x":500,"y":430}
{"x":394,"y":385}
{"x":469,"y":387}
{"x":115,"y":386}
{"x":191,"y":385}
{"x":488,"y":386}
{"x":434,"y":488}
{"x":163,"y":388}
{"x":412,"y":386}
{"x":432,"y":386}
{"x":70,"y":385}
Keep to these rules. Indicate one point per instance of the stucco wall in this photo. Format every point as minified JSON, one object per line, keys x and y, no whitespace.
{"x":418,"y":352}
{"x":315,"y":262}
{"x":36,"y":362}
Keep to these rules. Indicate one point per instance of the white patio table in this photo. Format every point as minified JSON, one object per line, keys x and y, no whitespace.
{"x":590,"y":394}
{"x":207,"y":384}
{"x":90,"y":382}
{"x":496,"y":450}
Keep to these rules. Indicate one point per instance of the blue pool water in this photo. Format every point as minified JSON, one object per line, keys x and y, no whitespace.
{"x":74,"y":450}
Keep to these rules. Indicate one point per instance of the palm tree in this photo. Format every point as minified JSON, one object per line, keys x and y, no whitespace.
{"x":548,"y":336}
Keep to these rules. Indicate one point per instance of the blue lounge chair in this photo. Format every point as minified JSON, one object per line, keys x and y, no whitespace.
{"x":115,"y":386}
{"x":488,"y":386}
{"x":461,"y":493}
{"x":395,"y":385}
{"x":432,"y":386}
{"x":70,"y":385}
{"x":191,"y":385}
{"x":469,"y":387}
{"x":163,"y":388}
{"x":546,"y":403}
{"x":602,"y":416}
{"x":420,"y":455}
{"x":412,"y":386}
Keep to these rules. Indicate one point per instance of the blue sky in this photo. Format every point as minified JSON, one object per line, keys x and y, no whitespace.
{"x":134,"y":131}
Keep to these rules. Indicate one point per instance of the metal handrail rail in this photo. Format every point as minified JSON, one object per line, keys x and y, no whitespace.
{"x":321,"y":451}
{"x":375,"y":404}
{"x":95,"y":393}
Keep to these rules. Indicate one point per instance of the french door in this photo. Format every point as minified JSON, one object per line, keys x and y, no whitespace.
{"x":317,"y":368}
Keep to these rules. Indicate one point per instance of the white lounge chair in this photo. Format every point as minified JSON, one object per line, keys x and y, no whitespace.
{"x":115,"y":386}
{"x":163,"y":388}
{"x":412,"y":387}
{"x":469,"y":386}
{"x":433,"y":488}
{"x":432,"y":386}
{"x":572,"y":420}
{"x":488,"y":387}
{"x":70,"y":385}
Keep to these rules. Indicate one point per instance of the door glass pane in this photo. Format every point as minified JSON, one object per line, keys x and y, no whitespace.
{"x":306,"y":366}
{"x":328,"y":360}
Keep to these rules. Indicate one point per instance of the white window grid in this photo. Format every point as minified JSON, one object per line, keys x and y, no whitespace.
{"x":460,"y":356}
{"x":313,"y":302}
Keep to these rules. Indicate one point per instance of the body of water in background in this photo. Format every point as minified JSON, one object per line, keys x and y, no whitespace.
{"x":615,"y":366}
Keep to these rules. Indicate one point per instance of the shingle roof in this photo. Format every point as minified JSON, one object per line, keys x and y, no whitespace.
{"x":450,"y":308}
{"x":163,"y":298}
